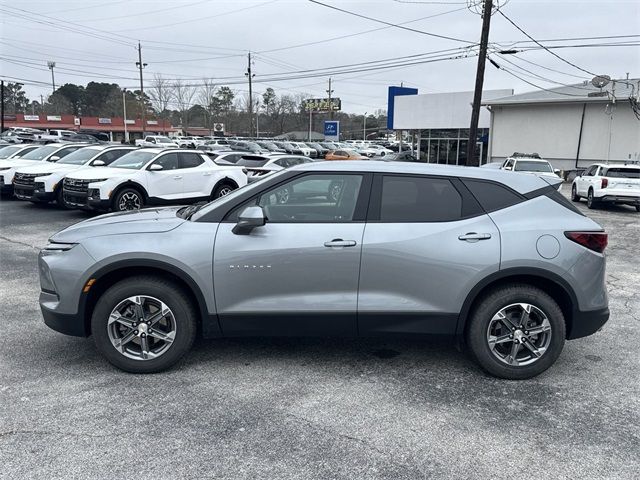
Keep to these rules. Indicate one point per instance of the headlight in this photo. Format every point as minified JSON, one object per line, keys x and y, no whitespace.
{"x":98,"y":180}
{"x":55,"y":247}
{"x":5,"y":168}
{"x":43,"y":175}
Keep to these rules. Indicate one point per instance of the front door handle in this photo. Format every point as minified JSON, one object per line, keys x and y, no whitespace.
{"x":177,"y":177}
{"x":338,"y":242}
{"x":474,"y":237}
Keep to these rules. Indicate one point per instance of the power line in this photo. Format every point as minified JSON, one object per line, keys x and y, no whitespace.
{"x":130,"y":15}
{"x":396,"y":25}
{"x":542,"y":46}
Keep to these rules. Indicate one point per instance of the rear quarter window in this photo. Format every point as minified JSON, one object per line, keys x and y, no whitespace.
{"x":492,"y":196}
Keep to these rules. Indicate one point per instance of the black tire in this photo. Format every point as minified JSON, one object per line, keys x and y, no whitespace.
{"x":60,"y":199}
{"x":128,"y":198}
{"x":591,"y":202}
{"x":481,"y":318}
{"x":222,"y":190}
{"x":637,"y":208}
{"x":166,"y":291}
{"x":574,"y":194}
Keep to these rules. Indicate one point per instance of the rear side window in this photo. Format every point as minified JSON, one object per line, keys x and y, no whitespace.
{"x":492,"y":196}
{"x":419,"y":199}
{"x":190,"y":160}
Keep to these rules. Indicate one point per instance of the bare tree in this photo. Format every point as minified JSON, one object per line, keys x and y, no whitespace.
{"x":207,"y":98}
{"x":160,"y":95}
{"x":183,"y":94}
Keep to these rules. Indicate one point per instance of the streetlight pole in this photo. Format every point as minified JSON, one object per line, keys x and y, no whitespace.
{"x":140,"y":66}
{"x":364,"y":126}
{"x":124,"y":112}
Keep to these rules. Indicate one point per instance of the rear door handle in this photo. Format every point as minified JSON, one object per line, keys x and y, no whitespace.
{"x":474,"y":237}
{"x":177,"y":177}
{"x":207,"y":174}
{"x":338,"y":242}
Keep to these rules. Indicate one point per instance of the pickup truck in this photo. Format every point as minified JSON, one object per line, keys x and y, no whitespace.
{"x":156,"y":141}
{"x":54,"y":136}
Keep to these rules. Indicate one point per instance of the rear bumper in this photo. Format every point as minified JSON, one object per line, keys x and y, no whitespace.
{"x":587,"y":323}
{"x":625,"y":199}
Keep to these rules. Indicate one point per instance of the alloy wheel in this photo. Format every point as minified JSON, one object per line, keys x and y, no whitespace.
{"x":129,"y":201}
{"x":519,"y":334}
{"x":224,"y":191}
{"x":141,"y":327}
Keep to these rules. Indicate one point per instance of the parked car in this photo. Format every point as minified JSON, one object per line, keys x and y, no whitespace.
{"x":271,"y":146}
{"x":375,"y":150}
{"x":531,"y":163}
{"x":188,"y":142}
{"x":399,"y":157}
{"x":156,"y":141}
{"x":97,"y":134}
{"x":227,"y":157}
{"x":216,"y":144}
{"x":55,"y":135}
{"x":81,"y":138}
{"x":503,"y":261}
{"x":15,"y":151}
{"x":257,"y":167}
{"x":46,"y":153}
{"x":613,"y":183}
{"x":321,"y":151}
{"x":247,"y":146}
{"x":344,"y":155}
{"x":151,"y":176}
{"x":42,"y":182}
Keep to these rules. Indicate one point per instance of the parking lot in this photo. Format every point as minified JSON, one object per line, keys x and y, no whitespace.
{"x":312,"y":408}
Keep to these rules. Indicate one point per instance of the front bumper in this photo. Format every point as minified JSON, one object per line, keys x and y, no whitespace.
{"x":69,"y":324}
{"x":587,"y":323}
{"x":5,"y":188}
{"x":98,"y":204}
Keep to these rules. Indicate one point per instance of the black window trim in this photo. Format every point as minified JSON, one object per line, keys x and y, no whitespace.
{"x":469,"y":203}
{"x":492,"y":182}
{"x":359,"y":214}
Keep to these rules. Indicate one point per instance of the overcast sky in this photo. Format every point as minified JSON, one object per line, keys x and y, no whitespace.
{"x":191,"y":40}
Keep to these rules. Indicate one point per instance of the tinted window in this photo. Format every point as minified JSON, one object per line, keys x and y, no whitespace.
{"x":251,"y":162}
{"x":190,"y":160}
{"x":419,"y":199}
{"x":492,"y":196}
{"x":66,"y":151}
{"x":113,"y":155}
{"x":168,"y":161}
{"x":134,"y":160}
{"x":530,"y":166}
{"x":621,"y":172}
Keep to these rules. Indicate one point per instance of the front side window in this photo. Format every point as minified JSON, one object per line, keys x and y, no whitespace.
{"x":419,"y":199}
{"x":168,"y":161}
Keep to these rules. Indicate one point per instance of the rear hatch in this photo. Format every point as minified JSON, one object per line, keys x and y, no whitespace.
{"x":625,"y":178}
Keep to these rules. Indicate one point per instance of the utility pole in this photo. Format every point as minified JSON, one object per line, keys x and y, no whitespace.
{"x":2,"y":106}
{"x":250,"y":76}
{"x":124,"y":112}
{"x":330,"y":105}
{"x":364,"y":126}
{"x":477,"y":95}
{"x":140,"y":66}
{"x":51,"y":66}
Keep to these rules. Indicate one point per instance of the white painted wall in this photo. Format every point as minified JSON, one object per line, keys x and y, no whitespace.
{"x":441,"y":110}
{"x":552,"y":131}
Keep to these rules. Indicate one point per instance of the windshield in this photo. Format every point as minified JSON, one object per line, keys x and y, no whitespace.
{"x":619,"y":172}
{"x":530,"y":166}
{"x":163,"y":140}
{"x":6,"y":152}
{"x":79,"y":157}
{"x":39,"y":153}
{"x":134,"y":160}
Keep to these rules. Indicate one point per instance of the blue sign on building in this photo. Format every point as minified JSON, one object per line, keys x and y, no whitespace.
{"x":332,"y":130}
{"x":393,"y":93}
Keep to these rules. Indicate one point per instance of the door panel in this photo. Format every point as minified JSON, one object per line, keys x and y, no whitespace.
{"x":282,"y":280}
{"x":165,"y":184}
{"x":415,"y":276}
{"x":196,"y":175}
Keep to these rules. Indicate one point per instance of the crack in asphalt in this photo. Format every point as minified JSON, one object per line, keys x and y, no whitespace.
{"x":9,"y":433}
{"x":17,"y":242}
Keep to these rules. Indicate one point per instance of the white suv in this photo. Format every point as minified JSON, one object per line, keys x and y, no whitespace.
{"x":151,"y":176}
{"x":42,"y":182}
{"x":532,"y":164}
{"x":601,"y":183}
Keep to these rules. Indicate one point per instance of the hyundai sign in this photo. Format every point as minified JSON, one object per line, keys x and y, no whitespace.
{"x":332,"y":130}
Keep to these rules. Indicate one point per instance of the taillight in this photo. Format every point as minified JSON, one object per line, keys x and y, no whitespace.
{"x":596,"y":241}
{"x":604,"y":183}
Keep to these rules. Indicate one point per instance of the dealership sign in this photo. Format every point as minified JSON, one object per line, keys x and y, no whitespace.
{"x":104,"y":120}
{"x":54,"y":118}
{"x":321,"y":104}
{"x":130,"y":122}
{"x":152,"y":122}
{"x":32,"y":118}
{"x":331,"y":130}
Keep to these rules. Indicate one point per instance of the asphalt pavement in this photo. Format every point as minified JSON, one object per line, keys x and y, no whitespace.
{"x":311,"y":408}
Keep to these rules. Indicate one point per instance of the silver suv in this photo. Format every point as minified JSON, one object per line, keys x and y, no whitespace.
{"x":499,"y":260}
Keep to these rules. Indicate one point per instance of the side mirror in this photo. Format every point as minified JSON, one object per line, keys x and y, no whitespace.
{"x":556,"y":171}
{"x":156,"y":167}
{"x":507,"y":168}
{"x":249,"y":218}
{"x":55,"y":158}
{"x":98,"y":163}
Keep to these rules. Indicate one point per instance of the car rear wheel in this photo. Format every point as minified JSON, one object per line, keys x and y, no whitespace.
{"x":591,"y":202}
{"x":222,"y":191}
{"x":516,"y":332}
{"x":574,"y":194}
{"x":128,"y":199}
{"x":144,"y":324}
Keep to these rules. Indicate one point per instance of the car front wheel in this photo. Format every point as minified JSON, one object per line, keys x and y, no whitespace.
{"x":128,"y":199}
{"x":144,"y":324}
{"x":516,"y":332}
